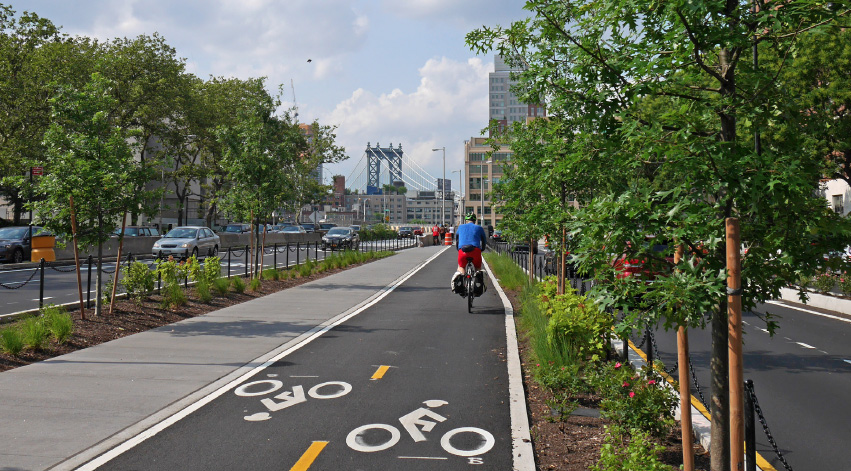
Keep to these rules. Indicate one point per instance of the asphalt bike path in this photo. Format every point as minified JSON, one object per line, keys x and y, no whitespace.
{"x":378,"y":367}
{"x":802,"y":378}
{"x":414,"y":382}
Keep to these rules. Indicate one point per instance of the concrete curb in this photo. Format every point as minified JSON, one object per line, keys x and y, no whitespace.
{"x":821,"y":301}
{"x":524,"y":454}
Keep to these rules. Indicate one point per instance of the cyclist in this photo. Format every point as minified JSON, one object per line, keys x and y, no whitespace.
{"x":470,"y":240}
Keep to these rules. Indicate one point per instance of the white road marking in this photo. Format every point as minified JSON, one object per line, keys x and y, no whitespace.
{"x":293,"y":376}
{"x":805,"y":345}
{"x":829,"y":316}
{"x":764,"y":330}
{"x":307,"y":337}
{"x":848,"y":361}
{"x":422,"y":458}
{"x":46,"y":297}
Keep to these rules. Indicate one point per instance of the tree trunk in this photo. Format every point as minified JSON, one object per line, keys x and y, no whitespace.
{"x":98,"y":278}
{"x":719,"y":447}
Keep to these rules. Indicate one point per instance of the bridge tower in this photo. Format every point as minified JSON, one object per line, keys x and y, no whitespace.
{"x":392,"y":158}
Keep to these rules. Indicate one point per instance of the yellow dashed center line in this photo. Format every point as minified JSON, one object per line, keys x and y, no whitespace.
{"x":303,"y":463}
{"x":380,"y":372}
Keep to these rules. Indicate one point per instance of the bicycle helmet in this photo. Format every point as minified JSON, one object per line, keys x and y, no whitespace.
{"x":470,"y":217}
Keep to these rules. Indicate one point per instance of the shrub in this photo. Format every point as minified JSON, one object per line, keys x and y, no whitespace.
{"x":35,"y":333}
{"x":138,"y":281}
{"x":202,"y":289}
{"x":635,"y":453}
{"x":845,"y":284}
{"x":576,"y":326}
{"x":221,"y":286}
{"x":193,"y":268}
{"x":173,"y":296}
{"x":11,"y":341}
{"x":270,"y":274}
{"x":58,"y":323}
{"x":238,"y":284}
{"x":171,"y":272}
{"x":635,"y":401}
{"x":211,"y":272}
{"x":254,"y":284}
{"x":825,"y":282}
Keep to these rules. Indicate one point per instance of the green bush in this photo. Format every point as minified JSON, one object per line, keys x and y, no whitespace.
{"x":238,"y":284}
{"x":633,"y":400}
{"x":576,"y":326}
{"x":845,"y":284}
{"x":172,"y":272}
{"x":58,"y":322}
{"x":173,"y":296}
{"x":825,"y":282}
{"x":202,"y":289}
{"x":138,"y":281}
{"x":254,"y":284}
{"x":221,"y":286}
{"x":35,"y":333}
{"x":11,"y":340}
{"x":634,"y":453}
{"x":270,"y":274}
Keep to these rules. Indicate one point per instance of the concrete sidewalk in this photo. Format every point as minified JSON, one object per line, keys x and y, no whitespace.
{"x":61,"y":413}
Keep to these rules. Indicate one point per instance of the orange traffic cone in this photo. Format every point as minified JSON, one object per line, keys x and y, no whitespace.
{"x":448,"y":240}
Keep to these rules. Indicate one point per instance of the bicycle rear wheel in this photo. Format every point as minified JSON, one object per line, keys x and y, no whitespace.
{"x":469,"y":275}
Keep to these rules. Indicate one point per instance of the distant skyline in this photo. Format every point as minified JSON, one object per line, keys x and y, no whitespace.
{"x":380,"y":70}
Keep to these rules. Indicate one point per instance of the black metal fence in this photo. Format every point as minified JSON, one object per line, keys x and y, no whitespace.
{"x":283,"y":256}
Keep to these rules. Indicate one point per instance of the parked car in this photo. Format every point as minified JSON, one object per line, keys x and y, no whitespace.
{"x":293,"y":230}
{"x":324,"y":227}
{"x":341,"y":237}
{"x":237,"y":228}
{"x":16,"y":243}
{"x":406,"y":232}
{"x":636,"y":267}
{"x":418,"y":231}
{"x":309,"y":228}
{"x":185,"y":241}
{"x":523,"y":246}
{"x":497,"y":236}
{"x":137,"y":231}
{"x":355,"y":227}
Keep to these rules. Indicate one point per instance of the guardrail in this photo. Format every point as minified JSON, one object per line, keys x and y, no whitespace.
{"x":283,"y":254}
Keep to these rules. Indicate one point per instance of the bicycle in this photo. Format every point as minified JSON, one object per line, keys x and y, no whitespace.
{"x":469,"y":276}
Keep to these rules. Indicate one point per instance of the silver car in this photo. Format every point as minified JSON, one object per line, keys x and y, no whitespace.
{"x":185,"y":241}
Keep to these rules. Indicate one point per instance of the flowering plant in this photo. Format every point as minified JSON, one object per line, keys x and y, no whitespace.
{"x":634,"y":399}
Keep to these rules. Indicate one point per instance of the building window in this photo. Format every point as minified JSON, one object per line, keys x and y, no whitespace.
{"x":837,"y":204}
{"x":475,"y":169}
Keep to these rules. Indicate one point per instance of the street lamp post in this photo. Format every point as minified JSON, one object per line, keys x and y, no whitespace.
{"x":461,"y":196}
{"x":442,"y":188}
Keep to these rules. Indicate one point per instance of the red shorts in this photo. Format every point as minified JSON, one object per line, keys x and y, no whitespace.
{"x":476,"y":255}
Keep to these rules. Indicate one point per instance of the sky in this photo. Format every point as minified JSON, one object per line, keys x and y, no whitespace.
{"x":381,"y":71}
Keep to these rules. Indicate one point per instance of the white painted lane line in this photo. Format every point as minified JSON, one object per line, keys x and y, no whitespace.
{"x":46,"y":297}
{"x":848,"y":361}
{"x":805,"y":345}
{"x":307,"y":338}
{"x":293,"y":376}
{"x":764,"y":330}
{"x":422,"y":458}
{"x":829,"y":316}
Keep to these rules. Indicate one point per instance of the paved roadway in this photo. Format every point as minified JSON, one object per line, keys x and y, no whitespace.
{"x":802,"y":378}
{"x":60,"y":287}
{"x":407,"y":381}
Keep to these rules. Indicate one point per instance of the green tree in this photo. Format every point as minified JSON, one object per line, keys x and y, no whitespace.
{"x":87,"y":156}
{"x":667,"y":96}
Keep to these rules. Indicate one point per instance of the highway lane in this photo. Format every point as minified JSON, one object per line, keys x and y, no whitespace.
{"x":60,"y":284}
{"x":802,"y":378}
{"x":413,"y":382}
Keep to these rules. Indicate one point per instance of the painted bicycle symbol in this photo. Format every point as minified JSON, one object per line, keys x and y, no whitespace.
{"x":327,"y":390}
{"x":421,"y":420}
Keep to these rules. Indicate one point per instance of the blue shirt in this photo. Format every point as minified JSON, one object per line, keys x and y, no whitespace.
{"x":471,"y":234}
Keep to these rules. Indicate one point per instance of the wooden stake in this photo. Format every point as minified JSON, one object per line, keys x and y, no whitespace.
{"x":77,"y":259}
{"x":117,"y":263}
{"x":685,"y":390}
{"x":734,"y":344}
{"x":562,"y":273}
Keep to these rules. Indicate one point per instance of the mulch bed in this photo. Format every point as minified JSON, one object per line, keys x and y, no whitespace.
{"x":129,"y":318}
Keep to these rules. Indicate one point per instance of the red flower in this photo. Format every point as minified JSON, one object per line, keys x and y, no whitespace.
{"x":625,"y":384}
{"x":618,"y":365}
{"x":631,"y":394}
{"x":651,"y":381}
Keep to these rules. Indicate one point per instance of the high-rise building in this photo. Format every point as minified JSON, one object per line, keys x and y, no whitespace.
{"x":482,"y":172}
{"x":504,"y":105}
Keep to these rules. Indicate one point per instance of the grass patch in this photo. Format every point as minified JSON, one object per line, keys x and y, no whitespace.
{"x":509,"y":274}
{"x":238,"y":284}
{"x":58,"y":323}
{"x":221,"y":286}
{"x":34,"y":333}
{"x":11,"y":341}
{"x":202,"y":289}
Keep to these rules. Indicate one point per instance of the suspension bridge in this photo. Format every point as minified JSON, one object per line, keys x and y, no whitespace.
{"x":381,"y":166}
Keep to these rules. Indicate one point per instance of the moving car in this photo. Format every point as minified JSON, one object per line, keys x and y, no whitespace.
{"x":406,"y":231}
{"x":355,"y":227}
{"x":138,"y":231}
{"x":16,"y":243}
{"x":497,"y":236}
{"x":309,"y":228}
{"x":185,"y":241}
{"x":341,"y":237}
{"x":418,"y":231}
{"x":324,"y":227}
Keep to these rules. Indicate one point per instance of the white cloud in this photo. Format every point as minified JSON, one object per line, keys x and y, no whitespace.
{"x":448,"y":106}
{"x":467,"y":13}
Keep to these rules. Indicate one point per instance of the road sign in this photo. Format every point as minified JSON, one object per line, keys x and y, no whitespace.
{"x":38,"y":171}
